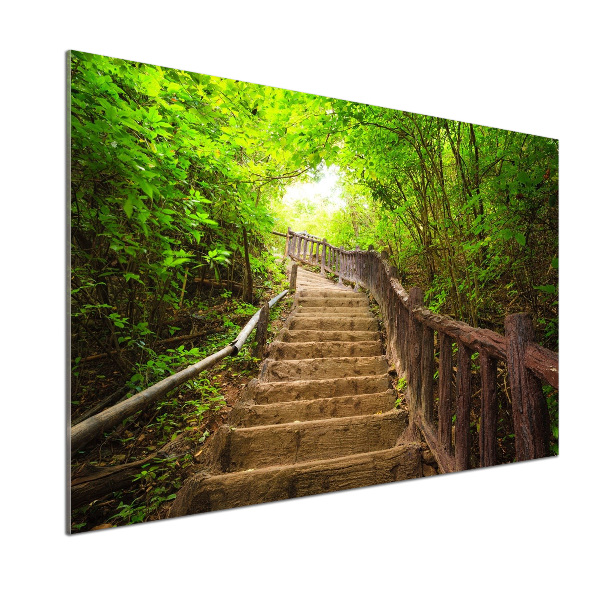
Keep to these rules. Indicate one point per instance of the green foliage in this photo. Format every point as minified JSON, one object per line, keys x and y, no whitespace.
{"x":167,"y":168}
{"x":160,"y":366}
{"x":400,"y":386}
{"x":158,"y":480}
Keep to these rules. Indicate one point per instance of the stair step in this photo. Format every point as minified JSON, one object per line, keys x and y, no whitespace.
{"x":303,"y":350}
{"x":337,"y":323}
{"x":332,"y":311}
{"x":317,"y":301}
{"x":316,"y":280}
{"x":315,"y":335}
{"x":289,"y":391}
{"x":322,"y":368}
{"x":203,"y":493}
{"x":250,"y":415}
{"x":243,"y":448}
{"x":313,"y":288}
{"x":313,"y":276}
{"x":326,"y":287}
{"x":334,"y":293}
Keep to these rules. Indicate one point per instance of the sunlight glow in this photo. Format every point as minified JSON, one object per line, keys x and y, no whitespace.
{"x":326,"y":190}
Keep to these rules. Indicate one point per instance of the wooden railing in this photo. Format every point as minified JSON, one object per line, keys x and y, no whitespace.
{"x":416,"y":337}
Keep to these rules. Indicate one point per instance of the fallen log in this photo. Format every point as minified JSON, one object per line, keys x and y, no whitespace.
{"x":100,"y":481}
{"x":94,"y":482}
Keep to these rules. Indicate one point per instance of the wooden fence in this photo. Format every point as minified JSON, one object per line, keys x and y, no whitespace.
{"x":416,"y":337}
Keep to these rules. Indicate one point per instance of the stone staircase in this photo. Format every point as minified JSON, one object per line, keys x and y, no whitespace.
{"x":320,"y":417}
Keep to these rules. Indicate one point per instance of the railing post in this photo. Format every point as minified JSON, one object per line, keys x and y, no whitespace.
{"x":323,"y":251}
{"x":261,"y":332}
{"x":287,"y":242}
{"x":415,"y":339}
{"x":489,"y":410}
{"x":463,"y":408}
{"x":403,"y":329}
{"x":427,"y":370}
{"x":445,"y":392}
{"x":293,"y":277}
{"x":529,"y":408}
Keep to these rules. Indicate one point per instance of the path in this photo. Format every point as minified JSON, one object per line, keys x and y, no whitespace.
{"x":320,"y":417}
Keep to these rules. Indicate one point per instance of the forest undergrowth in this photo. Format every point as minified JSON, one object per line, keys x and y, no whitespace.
{"x":168,"y":435}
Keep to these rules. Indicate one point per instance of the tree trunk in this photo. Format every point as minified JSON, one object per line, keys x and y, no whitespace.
{"x":247,"y":294}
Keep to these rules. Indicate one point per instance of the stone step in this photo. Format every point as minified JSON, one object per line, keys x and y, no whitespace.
{"x":342,"y":311}
{"x":250,"y":415}
{"x":318,"y":301}
{"x":302,"y":350}
{"x":333,"y":313}
{"x":314,"y":288}
{"x":243,"y":448}
{"x":203,"y":493}
{"x":289,"y":391}
{"x":313,"y":276}
{"x":315,"y":335}
{"x":323,"y":288}
{"x":322,"y":368}
{"x":338,"y":292}
{"x":317,"y":280}
{"x":337,"y":323}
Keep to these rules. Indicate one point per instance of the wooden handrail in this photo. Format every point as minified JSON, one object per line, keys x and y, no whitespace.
{"x":410,"y":347}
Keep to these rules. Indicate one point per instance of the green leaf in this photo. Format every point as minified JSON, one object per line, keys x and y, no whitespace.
{"x":128,"y":206}
{"x":129,"y":276}
{"x":555,"y":263}
{"x":520,"y":238}
{"x":547,"y":289}
{"x":146,"y":187}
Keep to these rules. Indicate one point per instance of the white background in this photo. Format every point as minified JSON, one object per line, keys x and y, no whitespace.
{"x":523,"y":531}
